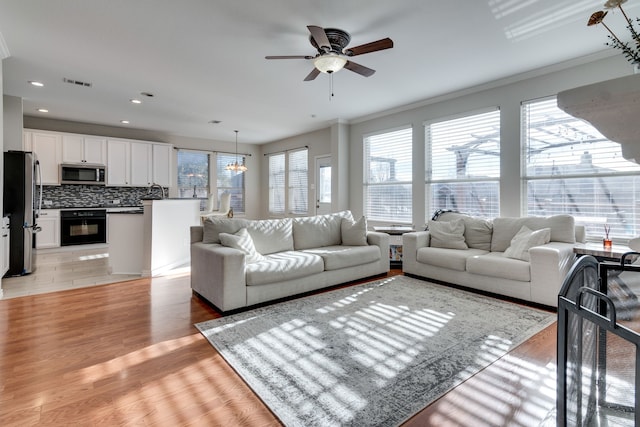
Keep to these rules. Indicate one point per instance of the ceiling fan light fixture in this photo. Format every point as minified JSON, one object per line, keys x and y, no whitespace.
{"x":330,"y":62}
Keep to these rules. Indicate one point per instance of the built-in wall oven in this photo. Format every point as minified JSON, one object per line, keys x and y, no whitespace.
{"x":83,"y":226}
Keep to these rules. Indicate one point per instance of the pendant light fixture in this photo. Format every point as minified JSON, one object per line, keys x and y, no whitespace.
{"x":237,"y":167}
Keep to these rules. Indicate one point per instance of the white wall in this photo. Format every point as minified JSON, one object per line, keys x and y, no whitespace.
{"x":12,"y":124}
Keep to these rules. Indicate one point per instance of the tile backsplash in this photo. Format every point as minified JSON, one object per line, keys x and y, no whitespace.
{"x":86,"y":196}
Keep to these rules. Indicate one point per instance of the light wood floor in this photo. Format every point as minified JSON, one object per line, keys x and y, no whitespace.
{"x":128,"y":354}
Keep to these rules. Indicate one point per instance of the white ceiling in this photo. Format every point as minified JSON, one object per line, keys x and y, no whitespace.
{"x":204,"y":59}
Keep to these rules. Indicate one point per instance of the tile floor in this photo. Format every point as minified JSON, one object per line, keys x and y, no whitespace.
{"x":63,"y":268}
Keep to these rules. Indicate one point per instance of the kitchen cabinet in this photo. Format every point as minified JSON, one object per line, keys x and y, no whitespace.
{"x":162,"y":154}
{"x":141,"y":164}
{"x":48,"y":150}
{"x":138,"y":163}
{"x":84,"y":149}
{"x":49,"y":234}
{"x":118,"y":163}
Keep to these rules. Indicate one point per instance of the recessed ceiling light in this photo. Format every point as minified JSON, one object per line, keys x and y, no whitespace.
{"x":35,"y":83}
{"x":124,"y":122}
{"x":43,"y":110}
{"x":135,"y":101}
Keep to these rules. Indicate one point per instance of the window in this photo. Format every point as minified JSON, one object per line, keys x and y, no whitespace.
{"x":570,"y":168}
{"x":230,"y":181}
{"x":463,"y":165}
{"x":387,"y":180}
{"x":276,"y":184}
{"x":193,"y":174}
{"x":194,"y":170}
{"x":298,"y":186}
{"x":293,"y":184}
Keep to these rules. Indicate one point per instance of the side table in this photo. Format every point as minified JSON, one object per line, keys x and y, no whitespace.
{"x":395,"y":233}
{"x":597,"y":251}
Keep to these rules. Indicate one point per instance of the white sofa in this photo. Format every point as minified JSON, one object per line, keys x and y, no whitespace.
{"x":495,"y":260}
{"x":237,"y":263}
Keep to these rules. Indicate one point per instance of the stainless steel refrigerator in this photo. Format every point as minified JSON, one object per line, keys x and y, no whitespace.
{"x":21,"y":169}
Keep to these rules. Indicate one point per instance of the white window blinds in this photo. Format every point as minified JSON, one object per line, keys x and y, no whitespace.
{"x":463,"y":165}
{"x":570,"y":168}
{"x":276,"y":184}
{"x":298,"y":182}
{"x":387,"y":180}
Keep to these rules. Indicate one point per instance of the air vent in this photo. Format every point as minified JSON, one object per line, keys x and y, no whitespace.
{"x":77,"y":82}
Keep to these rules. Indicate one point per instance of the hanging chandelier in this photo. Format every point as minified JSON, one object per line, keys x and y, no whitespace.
{"x":235,"y":166}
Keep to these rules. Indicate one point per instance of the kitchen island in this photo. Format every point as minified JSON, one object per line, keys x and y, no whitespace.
{"x":154,"y":242}
{"x":125,"y":234}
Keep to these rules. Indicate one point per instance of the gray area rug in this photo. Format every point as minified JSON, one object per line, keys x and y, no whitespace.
{"x":368,"y":355}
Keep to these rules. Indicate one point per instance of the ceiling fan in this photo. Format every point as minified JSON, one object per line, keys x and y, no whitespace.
{"x":333,"y":54}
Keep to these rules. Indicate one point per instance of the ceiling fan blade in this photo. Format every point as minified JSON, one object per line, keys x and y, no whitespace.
{"x":319,"y":36}
{"x":381,"y":44}
{"x":289,"y":57}
{"x":312,"y":75}
{"x":360,"y":69}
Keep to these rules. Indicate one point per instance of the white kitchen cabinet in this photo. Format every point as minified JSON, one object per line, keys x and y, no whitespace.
{"x":49,"y":234}
{"x":118,"y":162}
{"x":83,"y":149}
{"x":141,"y":164}
{"x":48,"y":150}
{"x":162,"y":164}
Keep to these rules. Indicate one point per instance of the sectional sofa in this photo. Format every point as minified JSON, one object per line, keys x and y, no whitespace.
{"x":236,"y":263}
{"x":525,"y":258}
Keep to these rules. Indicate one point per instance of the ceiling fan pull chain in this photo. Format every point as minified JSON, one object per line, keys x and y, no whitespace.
{"x":331,"y":86}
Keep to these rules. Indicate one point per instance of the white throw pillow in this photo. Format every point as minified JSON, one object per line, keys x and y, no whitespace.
{"x":354,"y":233}
{"x":242,"y":240}
{"x":447,"y":234}
{"x":524,"y":240}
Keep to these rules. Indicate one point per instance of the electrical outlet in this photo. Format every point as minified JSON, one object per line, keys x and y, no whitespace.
{"x":115,"y":202}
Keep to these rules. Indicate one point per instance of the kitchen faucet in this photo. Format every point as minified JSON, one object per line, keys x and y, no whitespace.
{"x":154,"y":185}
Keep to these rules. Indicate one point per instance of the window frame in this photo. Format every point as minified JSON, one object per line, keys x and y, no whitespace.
{"x":368,"y":184}
{"x":429,"y":181}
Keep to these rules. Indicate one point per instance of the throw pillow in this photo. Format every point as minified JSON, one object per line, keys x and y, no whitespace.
{"x":242,"y":241}
{"x":524,"y":240}
{"x":354,"y":233}
{"x":447,"y":234}
{"x":477,"y":231}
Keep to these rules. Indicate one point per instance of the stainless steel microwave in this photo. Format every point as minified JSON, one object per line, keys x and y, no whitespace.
{"x":83,"y":173}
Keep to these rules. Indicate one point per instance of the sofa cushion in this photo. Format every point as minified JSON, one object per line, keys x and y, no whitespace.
{"x":214,"y":225}
{"x":354,"y":233}
{"x":320,"y":230}
{"x":271,"y":235}
{"x":282,"y":266}
{"x":242,"y":241}
{"x":524,"y":240}
{"x":447,"y":234}
{"x":477,"y":231}
{"x":494,"y":264}
{"x":453,"y":259}
{"x":337,"y":257}
{"x":504,"y":229}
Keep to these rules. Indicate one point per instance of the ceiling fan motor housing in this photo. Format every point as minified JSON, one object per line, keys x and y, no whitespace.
{"x":338,"y":39}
